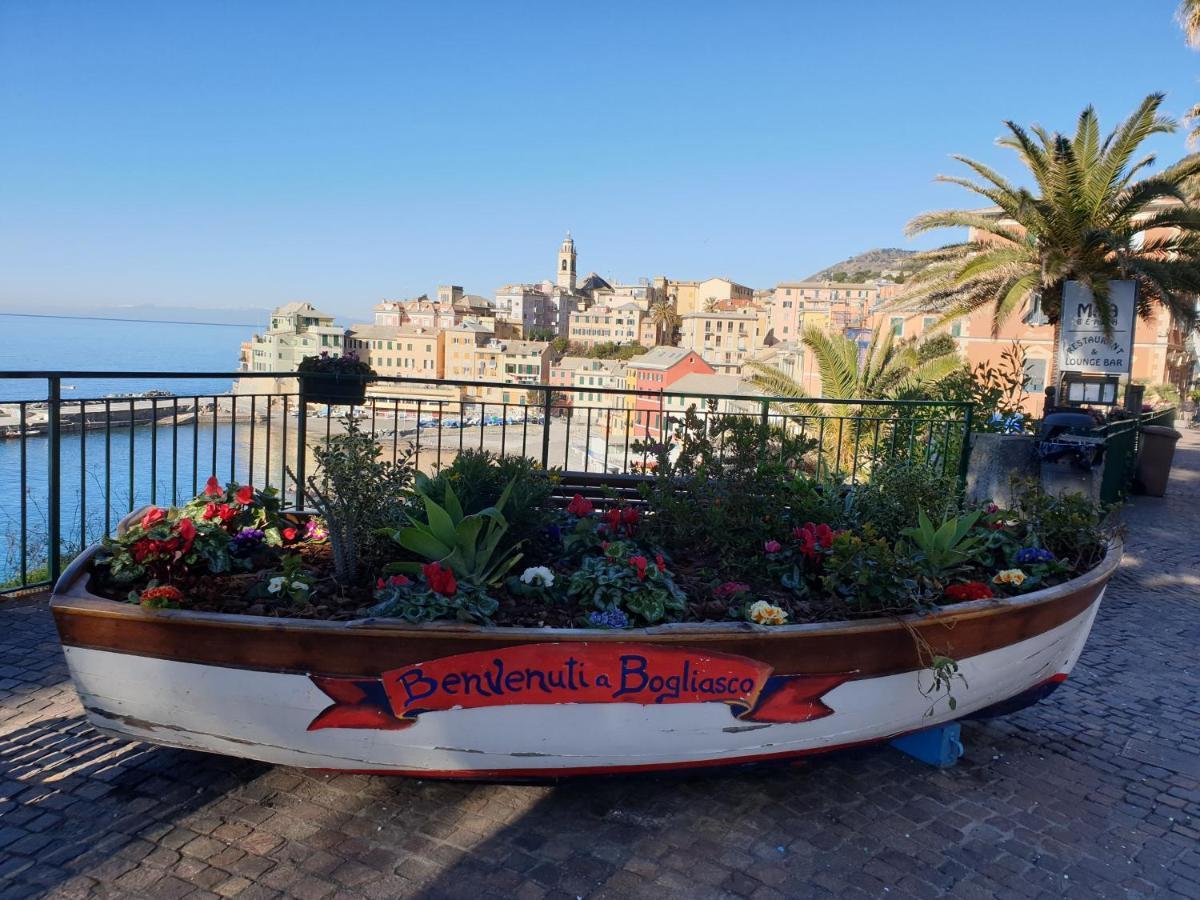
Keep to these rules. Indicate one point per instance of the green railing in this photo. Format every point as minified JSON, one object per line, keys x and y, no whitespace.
{"x":1121,"y":445}
{"x":73,"y":464}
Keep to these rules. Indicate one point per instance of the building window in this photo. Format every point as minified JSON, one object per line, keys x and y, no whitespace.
{"x":897,"y":326}
{"x":956,"y":329}
{"x":927,"y":323}
{"x":1035,"y":369}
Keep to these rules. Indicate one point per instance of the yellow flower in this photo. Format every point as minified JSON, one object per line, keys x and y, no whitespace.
{"x":1015,"y":577}
{"x":764,"y":613}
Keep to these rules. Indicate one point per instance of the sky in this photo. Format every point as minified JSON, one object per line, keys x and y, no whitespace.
{"x":229,"y":154}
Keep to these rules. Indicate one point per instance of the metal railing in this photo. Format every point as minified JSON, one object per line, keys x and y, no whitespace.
{"x":70,"y":468}
{"x":1122,"y":442}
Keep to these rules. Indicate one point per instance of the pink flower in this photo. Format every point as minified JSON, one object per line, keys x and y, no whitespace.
{"x":729,"y":589}
{"x":772,"y":546}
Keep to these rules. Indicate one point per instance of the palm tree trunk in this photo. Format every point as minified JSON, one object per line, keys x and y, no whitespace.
{"x":1052,"y":367}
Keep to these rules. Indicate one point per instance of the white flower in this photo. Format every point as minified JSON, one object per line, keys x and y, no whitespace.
{"x":299,"y":586}
{"x":275,"y":585}
{"x":763,"y":613}
{"x":539,"y":576}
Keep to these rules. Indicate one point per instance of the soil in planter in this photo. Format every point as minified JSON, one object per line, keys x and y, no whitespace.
{"x":227,"y":594}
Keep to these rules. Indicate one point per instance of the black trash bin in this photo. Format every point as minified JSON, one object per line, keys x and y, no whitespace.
{"x":1154,"y":459}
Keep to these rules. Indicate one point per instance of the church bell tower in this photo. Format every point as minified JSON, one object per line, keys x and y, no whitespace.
{"x":566,"y":264}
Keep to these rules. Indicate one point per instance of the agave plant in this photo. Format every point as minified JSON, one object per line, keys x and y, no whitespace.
{"x":465,"y":544}
{"x":944,"y":548}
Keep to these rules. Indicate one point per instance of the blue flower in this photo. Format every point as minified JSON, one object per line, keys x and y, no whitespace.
{"x":609,"y":618}
{"x":1031,"y":555}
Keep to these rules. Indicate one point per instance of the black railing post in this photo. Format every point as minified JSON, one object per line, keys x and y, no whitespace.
{"x":547,"y":409}
{"x":301,"y":438}
{"x":54,"y":476}
{"x":765,"y":428}
{"x":964,"y":460}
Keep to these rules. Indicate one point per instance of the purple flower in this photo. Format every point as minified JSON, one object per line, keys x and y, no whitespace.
{"x":246,"y":542}
{"x":609,"y":618}
{"x":315,"y":530}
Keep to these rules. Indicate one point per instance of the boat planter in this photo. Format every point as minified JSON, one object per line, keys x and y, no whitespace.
{"x":448,"y":700}
{"x":334,"y":389}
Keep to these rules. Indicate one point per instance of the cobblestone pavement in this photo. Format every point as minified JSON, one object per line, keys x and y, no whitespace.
{"x":1093,"y":793}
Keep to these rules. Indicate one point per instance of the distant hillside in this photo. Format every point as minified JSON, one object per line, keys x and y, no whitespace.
{"x":871,"y":264}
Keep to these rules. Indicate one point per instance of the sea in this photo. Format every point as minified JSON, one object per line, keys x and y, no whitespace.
{"x":106,"y":475}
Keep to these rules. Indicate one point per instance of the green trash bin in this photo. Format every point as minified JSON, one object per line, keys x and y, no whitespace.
{"x":1154,"y":459}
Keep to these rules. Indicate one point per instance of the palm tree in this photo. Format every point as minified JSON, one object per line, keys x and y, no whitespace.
{"x":1188,"y":15}
{"x":666,"y":319}
{"x":851,"y":435}
{"x":710,"y":305}
{"x":1087,"y":219}
{"x":890,"y":370}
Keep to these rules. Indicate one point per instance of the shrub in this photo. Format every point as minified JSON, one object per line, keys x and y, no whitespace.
{"x":358,"y":495}
{"x":896,"y":493}
{"x":868,"y":575}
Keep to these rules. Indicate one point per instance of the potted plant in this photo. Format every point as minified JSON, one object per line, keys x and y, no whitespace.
{"x":494,"y":621}
{"x":336,"y":380}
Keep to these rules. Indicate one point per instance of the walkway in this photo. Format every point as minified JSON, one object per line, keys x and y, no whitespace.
{"x":1094,"y":793}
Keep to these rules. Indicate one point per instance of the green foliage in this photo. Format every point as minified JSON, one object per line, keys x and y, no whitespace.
{"x":358,"y":495}
{"x":868,"y":575}
{"x":416,"y":602}
{"x":997,"y":391}
{"x":291,"y":582}
{"x":945,"y":549}
{"x":480,"y":478}
{"x":723,"y":484}
{"x":467,"y":544}
{"x":897,"y":490}
{"x":622,"y":578}
{"x":1071,"y":526}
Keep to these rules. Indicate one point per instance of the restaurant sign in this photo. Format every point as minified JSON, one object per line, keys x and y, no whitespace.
{"x":1082,"y":345}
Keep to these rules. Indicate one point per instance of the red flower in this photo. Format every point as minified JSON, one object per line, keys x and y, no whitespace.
{"x":814,"y":539}
{"x":210,"y":511}
{"x":245,"y":495}
{"x":398,"y":580}
{"x":141,"y":549}
{"x":971,"y":590}
{"x":629,"y":517}
{"x":226,"y":512}
{"x":660,"y":562}
{"x":187,"y":530}
{"x":580,"y":506}
{"x":160,"y":597}
{"x":440,"y":580}
{"x":639,"y":563}
{"x":153,"y":516}
{"x":289,"y":534}
{"x":613,"y":518}
{"x":379,"y":584}
{"x":212,"y":488}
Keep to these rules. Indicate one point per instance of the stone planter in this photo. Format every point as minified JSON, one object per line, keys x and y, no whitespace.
{"x":996,"y":459}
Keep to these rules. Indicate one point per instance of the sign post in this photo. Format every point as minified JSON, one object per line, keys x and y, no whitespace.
{"x":1091,"y":362}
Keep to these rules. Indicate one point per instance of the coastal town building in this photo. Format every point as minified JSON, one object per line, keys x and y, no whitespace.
{"x":696,"y":296}
{"x":833,"y":306}
{"x":296,"y":330}
{"x":724,"y":337}
{"x":657,"y":371}
{"x":626,"y":324}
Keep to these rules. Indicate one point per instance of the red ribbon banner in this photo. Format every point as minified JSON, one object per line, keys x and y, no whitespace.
{"x":573,"y":673}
